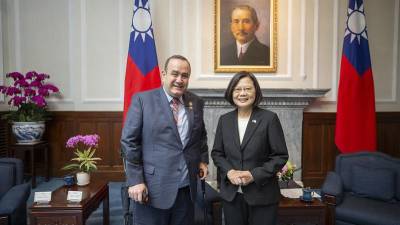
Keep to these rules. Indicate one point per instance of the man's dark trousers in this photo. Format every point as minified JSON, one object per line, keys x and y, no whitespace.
{"x":181,"y":212}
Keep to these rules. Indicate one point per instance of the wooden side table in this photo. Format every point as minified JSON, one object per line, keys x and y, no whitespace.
{"x":61,"y":211}
{"x":33,"y":149}
{"x":294,"y":211}
{"x":3,"y":220}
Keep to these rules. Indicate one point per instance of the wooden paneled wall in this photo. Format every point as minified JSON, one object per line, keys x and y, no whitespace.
{"x":3,"y":137}
{"x":106,"y":124}
{"x":318,"y":154}
{"x":319,"y":149}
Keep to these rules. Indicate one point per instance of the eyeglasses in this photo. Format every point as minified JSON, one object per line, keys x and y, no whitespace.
{"x":239,"y":90}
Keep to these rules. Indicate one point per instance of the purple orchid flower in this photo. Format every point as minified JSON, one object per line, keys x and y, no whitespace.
{"x":73,"y":141}
{"x":17,"y":100}
{"x":39,"y":100}
{"x":29,"y":92}
{"x":30,"y":75}
{"x":51,"y":87}
{"x":36,"y":83}
{"x":21,"y":82}
{"x":15,"y":75}
{"x":31,"y":89}
{"x":12,"y":91}
{"x":43,"y":91}
{"x":89,"y":141}
{"x":41,"y":77}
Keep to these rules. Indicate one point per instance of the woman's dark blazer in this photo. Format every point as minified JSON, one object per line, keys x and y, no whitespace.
{"x":263,"y":152}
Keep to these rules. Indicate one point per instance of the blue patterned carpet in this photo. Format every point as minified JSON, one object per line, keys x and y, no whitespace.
{"x":116,"y":217}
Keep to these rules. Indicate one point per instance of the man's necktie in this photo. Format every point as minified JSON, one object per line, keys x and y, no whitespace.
{"x":241,"y":55}
{"x":175,"y":108}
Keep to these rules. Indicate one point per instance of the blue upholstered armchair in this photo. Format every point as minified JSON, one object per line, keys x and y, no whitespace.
{"x":364,"y":189}
{"x":13,"y":192}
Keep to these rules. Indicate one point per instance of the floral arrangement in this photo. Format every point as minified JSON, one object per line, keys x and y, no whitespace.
{"x":287,"y":171}
{"x":28,"y":94}
{"x":85,"y":148}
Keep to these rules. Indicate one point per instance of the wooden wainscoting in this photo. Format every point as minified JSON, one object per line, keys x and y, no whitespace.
{"x":3,"y":138}
{"x":106,"y":124}
{"x":318,"y":156}
{"x":319,"y":149}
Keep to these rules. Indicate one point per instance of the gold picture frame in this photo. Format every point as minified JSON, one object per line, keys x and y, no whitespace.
{"x":261,"y":48}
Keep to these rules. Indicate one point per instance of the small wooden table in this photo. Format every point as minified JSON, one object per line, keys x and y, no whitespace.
{"x":295,"y":211}
{"x":60,"y":211}
{"x":19,"y":152}
{"x":3,"y":220}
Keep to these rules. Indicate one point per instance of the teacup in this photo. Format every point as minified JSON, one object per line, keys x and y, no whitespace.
{"x":307,"y":194}
{"x":69,"y":180}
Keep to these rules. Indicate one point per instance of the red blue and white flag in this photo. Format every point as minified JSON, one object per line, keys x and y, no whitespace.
{"x":142,"y":71}
{"x":355,"y":118}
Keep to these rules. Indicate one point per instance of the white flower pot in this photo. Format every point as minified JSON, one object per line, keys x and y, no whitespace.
{"x":82,"y":178}
{"x":28,"y":132}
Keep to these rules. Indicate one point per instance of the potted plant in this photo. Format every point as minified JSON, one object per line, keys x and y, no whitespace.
{"x":84,"y":162}
{"x":27,"y":94}
{"x":285,"y":175}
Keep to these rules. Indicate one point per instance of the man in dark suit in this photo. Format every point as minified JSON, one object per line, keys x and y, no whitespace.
{"x":165,"y":146}
{"x":246,"y":50}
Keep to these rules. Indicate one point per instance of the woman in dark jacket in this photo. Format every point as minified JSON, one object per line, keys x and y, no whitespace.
{"x":249,"y":149}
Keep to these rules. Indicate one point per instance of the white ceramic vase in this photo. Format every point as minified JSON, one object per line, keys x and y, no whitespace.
{"x":82,"y":178}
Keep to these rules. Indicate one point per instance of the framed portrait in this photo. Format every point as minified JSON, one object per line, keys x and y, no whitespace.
{"x":245,"y":35}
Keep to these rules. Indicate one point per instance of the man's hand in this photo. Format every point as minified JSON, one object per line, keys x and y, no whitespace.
{"x":139,"y":193}
{"x":203,"y":170}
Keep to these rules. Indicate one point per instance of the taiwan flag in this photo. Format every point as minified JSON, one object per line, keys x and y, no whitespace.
{"x":355,"y":118}
{"x":142,"y":72}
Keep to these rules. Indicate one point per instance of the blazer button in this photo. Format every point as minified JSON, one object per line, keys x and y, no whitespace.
{"x":179,"y":170}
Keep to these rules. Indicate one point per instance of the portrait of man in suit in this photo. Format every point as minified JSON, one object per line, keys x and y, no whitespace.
{"x":246,"y":35}
{"x":247,"y":49}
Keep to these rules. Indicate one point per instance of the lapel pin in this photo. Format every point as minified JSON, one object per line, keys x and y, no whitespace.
{"x":190,"y":105}
{"x":254,"y":121}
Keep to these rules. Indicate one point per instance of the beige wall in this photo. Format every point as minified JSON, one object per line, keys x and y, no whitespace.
{"x":83,"y":45}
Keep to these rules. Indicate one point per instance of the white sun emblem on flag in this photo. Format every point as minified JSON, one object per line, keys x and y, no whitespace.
{"x":141,"y":21}
{"x":356,"y":25}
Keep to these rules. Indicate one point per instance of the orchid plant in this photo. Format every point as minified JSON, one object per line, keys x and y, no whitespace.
{"x":28,"y":94}
{"x":85,"y":148}
{"x":287,"y":171}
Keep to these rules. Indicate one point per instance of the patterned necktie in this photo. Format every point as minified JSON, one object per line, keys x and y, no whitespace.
{"x":175,"y":108}
{"x":241,"y":54}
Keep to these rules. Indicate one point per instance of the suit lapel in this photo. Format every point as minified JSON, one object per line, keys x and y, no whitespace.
{"x":233,"y":126}
{"x":166,"y":108}
{"x":189,"y":112}
{"x":254,"y":121}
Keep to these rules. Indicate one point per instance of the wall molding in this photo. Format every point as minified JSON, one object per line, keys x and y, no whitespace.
{"x":335,"y":50}
{"x":17,"y":34}
{"x":1,"y":52}
{"x":303,"y":12}
{"x":84,"y":57}
{"x":316,"y":36}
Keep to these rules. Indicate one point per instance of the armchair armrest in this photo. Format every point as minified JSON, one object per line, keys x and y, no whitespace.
{"x":332,"y":189}
{"x":14,"y":198}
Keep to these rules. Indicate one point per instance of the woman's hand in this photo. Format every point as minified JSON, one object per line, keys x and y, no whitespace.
{"x":234,"y":177}
{"x":239,"y":177}
{"x":246,"y":177}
